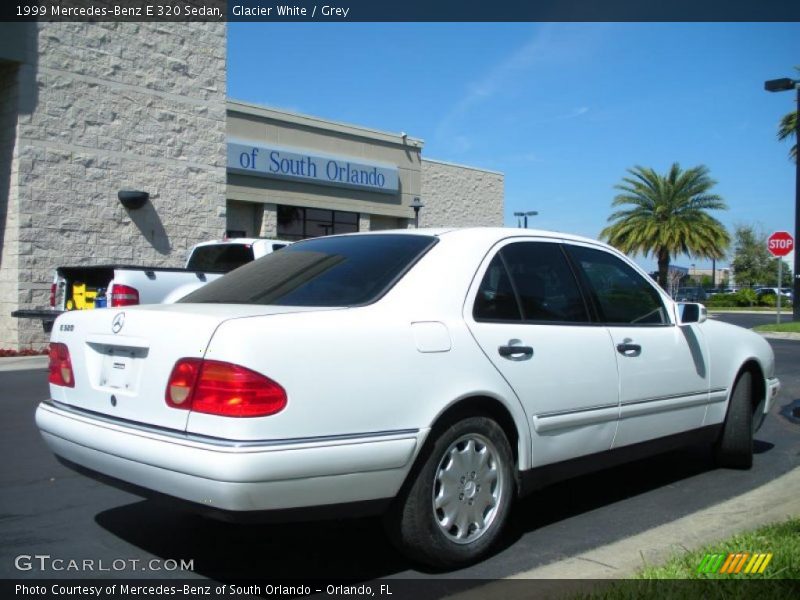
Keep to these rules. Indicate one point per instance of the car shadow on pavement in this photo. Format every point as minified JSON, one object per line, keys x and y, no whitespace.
{"x":331,"y":550}
{"x":642,"y":480}
{"x":359,"y":550}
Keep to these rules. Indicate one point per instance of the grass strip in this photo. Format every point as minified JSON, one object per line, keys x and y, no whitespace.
{"x":698,"y":574}
{"x":793,"y":327}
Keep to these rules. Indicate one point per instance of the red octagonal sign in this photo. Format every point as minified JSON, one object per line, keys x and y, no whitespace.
{"x":780,"y":243}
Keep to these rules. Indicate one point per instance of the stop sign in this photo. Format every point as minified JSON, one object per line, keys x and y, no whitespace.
{"x":780,"y":243}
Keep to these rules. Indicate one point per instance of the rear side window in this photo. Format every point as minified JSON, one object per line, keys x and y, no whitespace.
{"x":496,"y":300}
{"x":621,"y":294}
{"x":220,"y":257}
{"x":531,"y":281}
{"x":325,"y":271}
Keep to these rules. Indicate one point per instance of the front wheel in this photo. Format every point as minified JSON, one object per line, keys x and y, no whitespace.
{"x":455,"y":507}
{"x":734,"y":448}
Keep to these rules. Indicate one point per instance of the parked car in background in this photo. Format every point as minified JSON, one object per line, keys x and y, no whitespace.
{"x":774,"y":291}
{"x":426,"y":374}
{"x":690,"y":294}
{"x":223,"y":256}
{"x":100,"y":286}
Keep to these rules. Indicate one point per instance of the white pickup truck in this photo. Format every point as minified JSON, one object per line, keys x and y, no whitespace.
{"x":97,"y":286}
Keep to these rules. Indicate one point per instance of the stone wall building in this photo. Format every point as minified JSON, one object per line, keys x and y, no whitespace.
{"x":90,"y":109}
{"x":460,"y":196}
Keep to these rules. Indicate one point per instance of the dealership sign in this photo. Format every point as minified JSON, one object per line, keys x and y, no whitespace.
{"x":299,"y":165}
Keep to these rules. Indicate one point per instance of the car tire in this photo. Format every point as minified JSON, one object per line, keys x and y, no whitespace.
{"x":734,"y":447}
{"x":457,"y":499}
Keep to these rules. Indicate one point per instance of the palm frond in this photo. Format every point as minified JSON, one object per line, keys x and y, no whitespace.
{"x":666,"y":215}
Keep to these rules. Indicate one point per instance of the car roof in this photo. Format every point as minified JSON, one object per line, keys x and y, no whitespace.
{"x":241,"y":240}
{"x":483,"y":234}
{"x":486,"y":233}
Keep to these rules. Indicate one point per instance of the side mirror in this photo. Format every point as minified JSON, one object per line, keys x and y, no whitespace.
{"x":691,"y":312}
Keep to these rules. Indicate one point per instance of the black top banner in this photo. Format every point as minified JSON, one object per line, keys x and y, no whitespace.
{"x":403,"y":11}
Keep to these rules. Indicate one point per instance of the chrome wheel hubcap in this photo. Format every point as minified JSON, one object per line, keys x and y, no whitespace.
{"x":468,"y":488}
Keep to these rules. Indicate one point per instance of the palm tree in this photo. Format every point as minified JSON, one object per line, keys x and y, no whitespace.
{"x":786,"y":129}
{"x":667,"y":216}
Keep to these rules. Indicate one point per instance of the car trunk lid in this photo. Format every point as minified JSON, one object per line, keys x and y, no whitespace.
{"x":122,"y":359}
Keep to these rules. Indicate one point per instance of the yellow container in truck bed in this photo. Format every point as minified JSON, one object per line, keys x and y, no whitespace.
{"x":82,"y":297}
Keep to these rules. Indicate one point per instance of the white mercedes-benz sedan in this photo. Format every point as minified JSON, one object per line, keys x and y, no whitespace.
{"x":433,"y":375}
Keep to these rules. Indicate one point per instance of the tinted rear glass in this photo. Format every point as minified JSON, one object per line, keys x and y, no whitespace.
{"x":220,"y":257}
{"x":327,"y":271}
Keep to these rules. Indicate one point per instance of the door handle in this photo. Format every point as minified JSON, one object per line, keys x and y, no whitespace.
{"x":513,"y":351}
{"x":628,"y":349}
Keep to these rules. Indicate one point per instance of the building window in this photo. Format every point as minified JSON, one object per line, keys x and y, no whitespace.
{"x":296,"y":223}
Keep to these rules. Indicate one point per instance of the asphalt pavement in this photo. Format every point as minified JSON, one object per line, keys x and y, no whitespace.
{"x":749,"y":320}
{"x":47,"y":509}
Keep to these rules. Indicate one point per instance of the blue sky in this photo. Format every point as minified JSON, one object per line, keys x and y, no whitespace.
{"x":562,"y":109}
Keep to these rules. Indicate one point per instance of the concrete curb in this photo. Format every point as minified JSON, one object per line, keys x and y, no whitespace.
{"x":773,"y":502}
{"x":23,"y":363}
{"x":713,"y":311}
{"x":780,"y":335}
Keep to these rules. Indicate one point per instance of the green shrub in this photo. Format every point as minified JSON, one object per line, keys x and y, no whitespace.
{"x":746,"y":297}
{"x":722,"y":300}
{"x":769,"y":300}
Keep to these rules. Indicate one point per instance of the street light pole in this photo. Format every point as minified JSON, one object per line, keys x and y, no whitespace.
{"x":713,"y":273}
{"x":796,"y":294}
{"x":522,"y":217}
{"x":783,"y":85}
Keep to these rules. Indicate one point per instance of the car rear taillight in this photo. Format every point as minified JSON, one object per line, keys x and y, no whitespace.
{"x":53,"y":287}
{"x":60,"y":366}
{"x":124,"y":295}
{"x":181,"y":382}
{"x":220,"y":388}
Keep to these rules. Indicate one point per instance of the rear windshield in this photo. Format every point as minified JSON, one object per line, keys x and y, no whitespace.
{"x":326,"y":271}
{"x":220,"y":257}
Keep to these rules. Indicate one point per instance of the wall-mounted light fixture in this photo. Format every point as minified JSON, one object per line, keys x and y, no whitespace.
{"x":416,"y":204}
{"x":132,"y":199}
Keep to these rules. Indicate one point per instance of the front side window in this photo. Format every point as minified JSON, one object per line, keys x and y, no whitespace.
{"x":622,"y":295}
{"x":326,"y":271}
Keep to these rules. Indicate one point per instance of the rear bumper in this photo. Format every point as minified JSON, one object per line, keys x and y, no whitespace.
{"x":233,"y":475}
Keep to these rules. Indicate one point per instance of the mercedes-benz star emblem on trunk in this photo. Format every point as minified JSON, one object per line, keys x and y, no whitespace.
{"x":118,"y":322}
